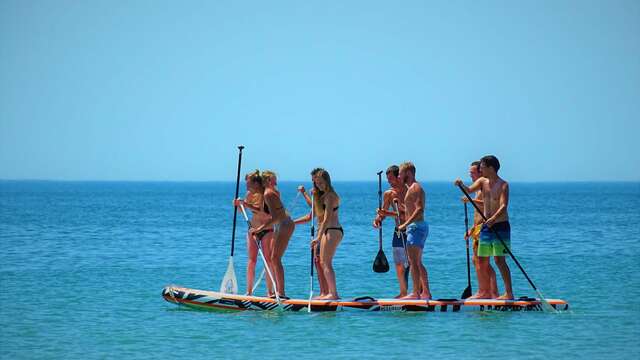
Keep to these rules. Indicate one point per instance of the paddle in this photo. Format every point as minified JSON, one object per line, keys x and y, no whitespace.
{"x":313,"y":248}
{"x":229,"y":281}
{"x":257,"y":282}
{"x":545,"y":304}
{"x":467,"y":292}
{"x":259,"y":245}
{"x":380,"y":263}
{"x":404,"y":243}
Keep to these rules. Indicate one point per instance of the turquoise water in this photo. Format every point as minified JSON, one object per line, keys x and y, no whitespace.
{"x":84,"y":263}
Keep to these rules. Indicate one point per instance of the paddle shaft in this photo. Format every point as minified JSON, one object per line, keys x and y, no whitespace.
{"x":313,"y":234}
{"x":259,"y":245}
{"x":235,"y":208}
{"x":466,"y":228}
{"x":380,"y":207}
{"x":313,"y":248}
{"x":499,"y":238}
{"x":402,"y":237}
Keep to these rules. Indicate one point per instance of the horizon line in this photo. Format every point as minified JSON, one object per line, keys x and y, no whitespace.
{"x":297,"y":180}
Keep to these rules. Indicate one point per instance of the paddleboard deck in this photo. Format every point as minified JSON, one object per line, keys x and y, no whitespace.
{"x":212,"y":300}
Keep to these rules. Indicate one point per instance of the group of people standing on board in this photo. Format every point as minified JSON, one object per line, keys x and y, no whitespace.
{"x":272,"y":227}
{"x":405,"y":201}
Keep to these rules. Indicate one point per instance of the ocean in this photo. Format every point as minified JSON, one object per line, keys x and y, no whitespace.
{"x":84,"y":264}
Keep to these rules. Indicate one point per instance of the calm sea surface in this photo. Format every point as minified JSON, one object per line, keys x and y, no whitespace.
{"x":84,"y":262}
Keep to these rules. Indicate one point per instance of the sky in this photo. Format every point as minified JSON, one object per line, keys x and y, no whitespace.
{"x":167,"y":90}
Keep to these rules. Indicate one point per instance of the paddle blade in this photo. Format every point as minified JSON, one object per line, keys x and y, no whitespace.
{"x":380,"y":264}
{"x":546,"y":307}
{"x":229,"y":282}
{"x":466,"y":293}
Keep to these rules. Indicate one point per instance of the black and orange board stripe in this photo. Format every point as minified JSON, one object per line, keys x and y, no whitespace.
{"x":212,"y":300}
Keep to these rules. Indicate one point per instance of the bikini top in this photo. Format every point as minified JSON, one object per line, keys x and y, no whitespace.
{"x":324,"y":207}
{"x":265,"y":207}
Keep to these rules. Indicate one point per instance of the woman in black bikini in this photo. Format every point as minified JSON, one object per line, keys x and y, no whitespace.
{"x":319,"y":214}
{"x":281,"y":222}
{"x":253,"y":201}
{"x":330,"y":232}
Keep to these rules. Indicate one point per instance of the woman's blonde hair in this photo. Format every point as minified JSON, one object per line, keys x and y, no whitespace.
{"x":254,"y":177}
{"x":267,"y":175}
{"x":255,"y":198}
{"x":317,"y":199}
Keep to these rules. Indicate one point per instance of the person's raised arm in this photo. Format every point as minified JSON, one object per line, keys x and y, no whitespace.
{"x":307,"y":198}
{"x":477,"y":185}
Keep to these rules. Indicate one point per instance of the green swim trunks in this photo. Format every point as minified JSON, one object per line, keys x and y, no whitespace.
{"x":489,"y":245}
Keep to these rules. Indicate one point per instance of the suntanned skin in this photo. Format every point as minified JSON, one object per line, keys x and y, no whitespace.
{"x":390,"y":198}
{"x":414,"y":201}
{"x":252,"y":201}
{"x":495,"y":192}
{"x":316,"y":256}
{"x":475,"y":174}
{"x":328,"y":240}
{"x":277,"y":215}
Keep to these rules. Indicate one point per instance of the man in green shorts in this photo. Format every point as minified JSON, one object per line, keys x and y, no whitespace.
{"x":474,"y":233}
{"x":495,"y":193}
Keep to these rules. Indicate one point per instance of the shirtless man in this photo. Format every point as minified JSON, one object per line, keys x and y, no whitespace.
{"x":391,"y":197}
{"x":495,"y":193}
{"x":474,"y":233}
{"x":417,"y":231}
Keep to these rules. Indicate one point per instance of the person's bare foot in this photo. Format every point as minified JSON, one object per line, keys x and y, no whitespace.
{"x":329,"y":297}
{"x":319,"y":297}
{"x":411,"y":296}
{"x":481,"y":295}
{"x":400,"y":296}
{"x":425,"y":296}
{"x":505,"y":296}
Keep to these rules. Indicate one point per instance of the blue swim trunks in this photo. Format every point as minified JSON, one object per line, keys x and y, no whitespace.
{"x":417,"y":233}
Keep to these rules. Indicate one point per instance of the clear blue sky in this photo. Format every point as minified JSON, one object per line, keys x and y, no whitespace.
{"x":166,"y":90}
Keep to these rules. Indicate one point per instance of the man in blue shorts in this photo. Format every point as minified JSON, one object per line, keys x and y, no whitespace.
{"x":417,"y":231}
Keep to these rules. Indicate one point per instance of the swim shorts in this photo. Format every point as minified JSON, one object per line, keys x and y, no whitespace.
{"x":399,"y":253}
{"x":417,"y":233}
{"x":490,"y":245}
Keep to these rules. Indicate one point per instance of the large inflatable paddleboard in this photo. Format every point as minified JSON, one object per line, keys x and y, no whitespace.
{"x":212,"y":300}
